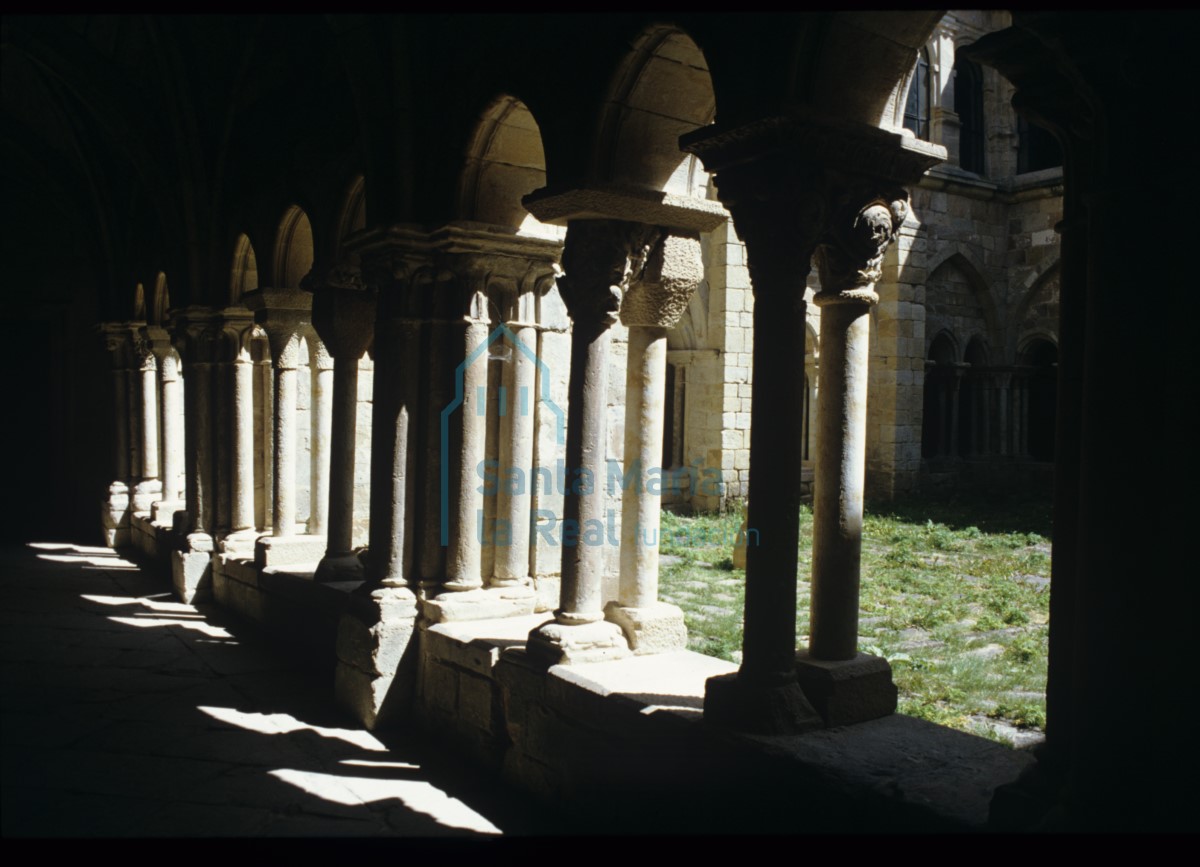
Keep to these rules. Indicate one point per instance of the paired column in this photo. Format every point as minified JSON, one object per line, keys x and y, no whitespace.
{"x":196,"y":334}
{"x":798,"y":185}
{"x":344,"y":318}
{"x":284,"y":315}
{"x":148,"y":488}
{"x":654,"y":303}
{"x":320,"y":365}
{"x":482,"y":494}
{"x":170,"y":385}
{"x":399,"y":268}
{"x":238,"y":463}
{"x":601,"y":258}
{"x":115,"y":509}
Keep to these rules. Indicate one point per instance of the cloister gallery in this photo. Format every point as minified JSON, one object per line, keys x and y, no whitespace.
{"x":409,"y":328}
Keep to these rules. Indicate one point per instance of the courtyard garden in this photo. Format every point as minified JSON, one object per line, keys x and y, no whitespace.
{"x":955,"y":594}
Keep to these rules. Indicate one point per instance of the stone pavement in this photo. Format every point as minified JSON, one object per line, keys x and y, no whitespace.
{"x":126,"y":713}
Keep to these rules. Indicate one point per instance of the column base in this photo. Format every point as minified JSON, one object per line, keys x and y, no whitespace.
{"x":295,"y":550}
{"x":764,"y":708}
{"x":163,"y":511}
{"x":114,"y":516}
{"x":481,"y":604}
{"x":556,"y":643}
{"x":145,"y":493}
{"x":339,"y":567}
{"x":375,"y":679}
{"x":240,"y":544}
{"x":657,"y":628}
{"x":191,"y":569}
{"x":847,"y":691}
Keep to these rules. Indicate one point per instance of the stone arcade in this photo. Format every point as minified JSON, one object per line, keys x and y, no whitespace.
{"x":365,"y":298}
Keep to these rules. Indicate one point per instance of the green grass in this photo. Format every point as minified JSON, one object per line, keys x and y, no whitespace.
{"x":950,"y":595}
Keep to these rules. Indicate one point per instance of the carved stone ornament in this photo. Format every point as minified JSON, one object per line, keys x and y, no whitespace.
{"x":343,"y":275}
{"x":601,"y":258}
{"x":672,"y":273}
{"x":850,"y":256}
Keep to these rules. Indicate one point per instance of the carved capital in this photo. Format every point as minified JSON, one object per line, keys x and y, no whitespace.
{"x":661,"y":294}
{"x":318,"y":354}
{"x":344,"y":319}
{"x":117,"y":344}
{"x":863,"y":222}
{"x":601,"y":259}
{"x":196,"y":334}
{"x":144,"y":352}
{"x":237,"y":330}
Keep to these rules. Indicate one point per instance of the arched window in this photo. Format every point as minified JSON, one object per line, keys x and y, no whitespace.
{"x":1036,"y":148}
{"x":968,"y":105}
{"x":916,"y":110}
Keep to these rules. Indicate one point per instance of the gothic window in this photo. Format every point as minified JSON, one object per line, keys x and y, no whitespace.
{"x":968,"y":105}
{"x":1036,"y":148}
{"x":916,"y":110}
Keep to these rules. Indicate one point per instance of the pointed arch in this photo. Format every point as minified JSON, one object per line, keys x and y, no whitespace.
{"x":1037,"y":312}
{"x":243,"y":272}
{"x":353,"y":216}
{"x":293,"y":248}
{"x":505,"y":161}
{"x":159,"y":302}
{"x":660,"y":90}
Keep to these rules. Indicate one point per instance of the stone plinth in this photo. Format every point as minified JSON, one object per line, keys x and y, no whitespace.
{"x":272,"y":551}
{"x":847,"y":691}
{"x":514,"y":600}
{"x":655,"y":628}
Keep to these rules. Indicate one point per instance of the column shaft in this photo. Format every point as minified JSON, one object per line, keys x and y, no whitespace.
{"x":773,"y":511}
{"x":283,"y":516}
{"x":321,"y":421}
{"x":645,"y":393}
{"x":172,"y":438}
{"x":464,"y":561}
{"x":149,"y":390}
{"x":341,"y":451}
{"x":840,"y":473}
{"x":583,"y":506}
{"x":393,"y":449}
{"x":199,"y":483}
{"x":242,"y":515}
{"x":955,"y":382}
{"x":516,"y":452}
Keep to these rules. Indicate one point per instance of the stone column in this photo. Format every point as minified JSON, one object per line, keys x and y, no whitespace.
{"x":943,"y":448}
{"x":1003,"y":433}
{"x":115,"y":509}
{"x":344,"y":318}
{"x":171,"y":425}
{"x":654,"y":303}
{"x":321,"y":420}
{"x":148,"y":488}
{"x":985,"y":415}
{"x":196,"y":333}
{"x":238,"y":463}
{"x":845,"y":685}
{"x":464,"y":559}
{"x":1023,"y":449}
{"x":378,"y":623}
{"x":600,"y":260}
{"x":503,"y":281}
{"x":764,"y":696}
{"x":284,"y":316}
{"x":514,"y":508}
{"x":955,"y":383}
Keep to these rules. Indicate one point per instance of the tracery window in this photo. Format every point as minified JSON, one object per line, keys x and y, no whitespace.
{"x":916,"y":110}
{"x":968,"y":105}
